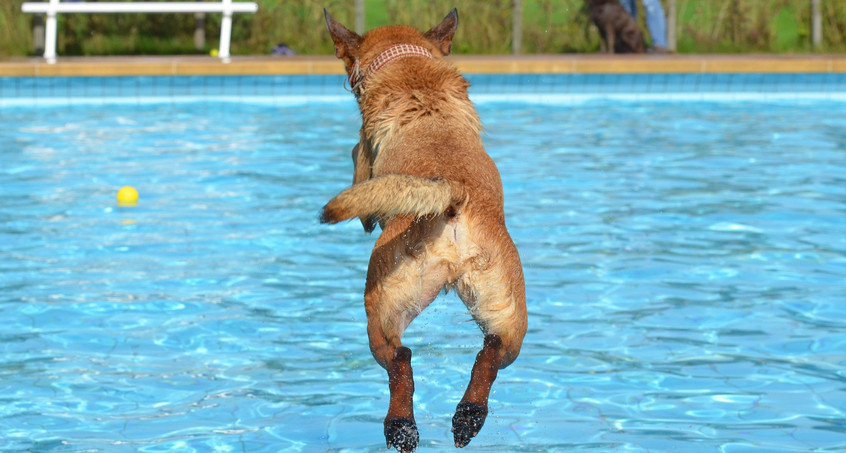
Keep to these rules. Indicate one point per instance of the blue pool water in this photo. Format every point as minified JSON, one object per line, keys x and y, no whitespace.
{"x":685,"y":267}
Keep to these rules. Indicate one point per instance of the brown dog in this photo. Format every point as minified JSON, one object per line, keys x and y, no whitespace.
{"x":618,"y":29}
{"x":421,"y":173}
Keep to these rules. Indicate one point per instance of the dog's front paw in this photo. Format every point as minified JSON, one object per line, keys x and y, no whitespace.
{"x":401,"y":433}
{"x":467,"y":421}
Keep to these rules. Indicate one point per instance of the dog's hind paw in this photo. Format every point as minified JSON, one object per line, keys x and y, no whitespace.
{"x":401,"y":433}
{"x":467,"y":421}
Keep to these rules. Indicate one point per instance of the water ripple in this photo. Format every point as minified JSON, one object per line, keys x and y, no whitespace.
{"x":684,"y":267}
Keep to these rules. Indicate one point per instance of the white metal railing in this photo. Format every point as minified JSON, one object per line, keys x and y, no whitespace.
{"x":53,"y":7}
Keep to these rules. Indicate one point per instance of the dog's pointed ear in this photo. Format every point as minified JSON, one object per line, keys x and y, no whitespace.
{"x":441,"y":34}
{"x":346,"y":41}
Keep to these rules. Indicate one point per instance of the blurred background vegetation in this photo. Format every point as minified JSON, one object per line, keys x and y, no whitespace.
{"x":485,"y":27}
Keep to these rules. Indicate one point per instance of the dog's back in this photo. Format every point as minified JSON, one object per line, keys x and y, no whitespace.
{"x":419,"y":122}
{"x":618,"y":29}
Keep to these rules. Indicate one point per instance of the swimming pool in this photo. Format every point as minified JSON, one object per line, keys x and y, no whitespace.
{"x":684,"y":262}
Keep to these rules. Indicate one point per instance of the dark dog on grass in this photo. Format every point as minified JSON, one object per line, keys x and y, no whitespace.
{"x":619,"y":30}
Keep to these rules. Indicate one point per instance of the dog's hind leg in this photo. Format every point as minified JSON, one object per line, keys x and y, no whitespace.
{"x":386,"y":346}
{"x":400,"y":284}
{"x":400,"y":427}
{"x":473,"y":409}
{"x":495,"y":295}
{"x":399,"y":424}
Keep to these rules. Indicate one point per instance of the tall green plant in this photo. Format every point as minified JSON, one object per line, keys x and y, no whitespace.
{"x":834,"y":26}
{"x":15,"y":34}
{"x":743,"y":26}
{"x":484,"y":26}
{"x":300,"y":25}
{"x":555,"y":26}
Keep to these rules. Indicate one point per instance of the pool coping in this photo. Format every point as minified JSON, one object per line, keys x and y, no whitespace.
{"x":470,"y":64}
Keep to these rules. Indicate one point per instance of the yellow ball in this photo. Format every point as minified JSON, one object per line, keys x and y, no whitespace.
{"x":127,"y":196}
{"x":213,"y":52}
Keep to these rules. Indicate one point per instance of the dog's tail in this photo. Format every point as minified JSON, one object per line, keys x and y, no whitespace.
{"x":391,"y":195}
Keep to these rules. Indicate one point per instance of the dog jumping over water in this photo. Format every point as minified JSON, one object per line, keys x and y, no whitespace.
{"x":421,"y":173}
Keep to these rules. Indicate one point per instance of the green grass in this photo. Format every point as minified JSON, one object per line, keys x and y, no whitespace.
{"x":549,"y":26}
{"x":742,"y":26}
{"x":15,"y":34}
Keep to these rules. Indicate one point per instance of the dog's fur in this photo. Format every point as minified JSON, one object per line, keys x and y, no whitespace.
{"x":421,"y":172}
{"x":618,"y":29}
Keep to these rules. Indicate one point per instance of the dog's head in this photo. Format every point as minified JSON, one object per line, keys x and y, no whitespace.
{"x":357,"y":50}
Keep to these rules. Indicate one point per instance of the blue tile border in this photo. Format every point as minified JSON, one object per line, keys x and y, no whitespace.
{"x":541,"y":87}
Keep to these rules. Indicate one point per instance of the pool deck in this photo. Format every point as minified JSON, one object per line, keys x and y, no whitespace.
{"x":529,"y":64}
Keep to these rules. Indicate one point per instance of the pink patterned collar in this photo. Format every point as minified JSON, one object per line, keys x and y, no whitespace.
{"x":357,"y":76}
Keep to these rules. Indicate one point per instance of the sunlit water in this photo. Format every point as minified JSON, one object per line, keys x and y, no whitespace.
{"x":685,"y":267}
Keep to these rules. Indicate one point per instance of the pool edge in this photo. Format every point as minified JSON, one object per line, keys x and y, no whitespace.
{"x":470,"y":64}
